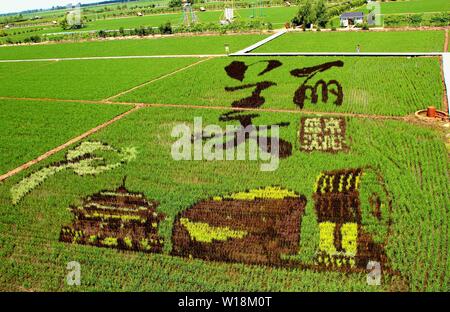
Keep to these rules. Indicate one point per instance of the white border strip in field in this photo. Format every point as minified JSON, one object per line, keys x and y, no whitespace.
{"x":446,"y":71}
{"x":259,"y":43}
{"x":406,"y":54}
{"x":114,"y":58}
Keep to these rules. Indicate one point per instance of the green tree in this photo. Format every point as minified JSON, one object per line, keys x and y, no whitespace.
{"x":174,"y":3}
{"x":321,"y":13}
{"x":306,"y":14}
{"x":64,"y":24}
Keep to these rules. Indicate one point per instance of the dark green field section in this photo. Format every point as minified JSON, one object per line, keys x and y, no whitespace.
{"x":85,"y":80}
{"x":411,"y":159}
{"x":383,"y":86}
{"x":30,"y":128}
{"x":382,"y":41}
{"x":133,"y":47}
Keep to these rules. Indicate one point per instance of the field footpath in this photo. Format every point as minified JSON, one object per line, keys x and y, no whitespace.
{"x":359,"y":54}
{"x":446,"y":41}
{"x":67,"y":144}
{"x":407,"y":118}
{"x":154,"y":80}
{"x":87,"y":58}
{"x":260,"y":43}
{"x":194,"y":106}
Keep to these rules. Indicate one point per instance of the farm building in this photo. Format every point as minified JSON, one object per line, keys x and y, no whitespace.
{"x":351,"y":18}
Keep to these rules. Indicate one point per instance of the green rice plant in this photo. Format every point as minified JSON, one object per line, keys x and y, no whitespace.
{"x":383,"y":86}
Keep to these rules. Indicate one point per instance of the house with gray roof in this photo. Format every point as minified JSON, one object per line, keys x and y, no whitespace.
{"x":351,"y":18}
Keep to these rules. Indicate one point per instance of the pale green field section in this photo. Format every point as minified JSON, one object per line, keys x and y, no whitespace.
{"x":82,"y":80}
{"x":415,"y":6}
{"x":31,"y":128}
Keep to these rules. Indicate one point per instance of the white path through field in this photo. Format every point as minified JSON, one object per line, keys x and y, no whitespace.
{"x":114,"y":58}
{"x":446,"y":70}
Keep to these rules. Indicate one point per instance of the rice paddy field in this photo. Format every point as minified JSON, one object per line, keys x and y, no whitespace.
{"x":31,"y":128}
{"x":394,"y":41}
{"x":278,"y":16}
{"x":366,"y":89}
{"x":103,"y":163}
{"x":77,"y":80}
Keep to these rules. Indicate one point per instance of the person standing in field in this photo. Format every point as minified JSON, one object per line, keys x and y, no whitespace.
{"x":358,"y":48}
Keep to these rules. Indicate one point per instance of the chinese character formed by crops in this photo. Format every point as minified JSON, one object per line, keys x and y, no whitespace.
{"x":247,"y":130}
{"x":327,"y":87}
{"x":322,"y":134}
{"x":237,"y":70}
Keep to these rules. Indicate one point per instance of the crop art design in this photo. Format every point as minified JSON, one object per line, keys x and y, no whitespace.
{"x":237,"y":70}
{"x":88,"y":158}
{"x":116,"y":219}
{"x":263,"y":226}
{"x":344,"y":243}
{"x":254,"y":227}
{"x":309,"y":73}
{"x":322,"y":134}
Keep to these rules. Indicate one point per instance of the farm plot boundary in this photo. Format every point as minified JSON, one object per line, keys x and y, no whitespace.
{"x":67,"y":144}
{"x":153,"y":80}
{"x":292,"y":111}
{"x":114,"y":58}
